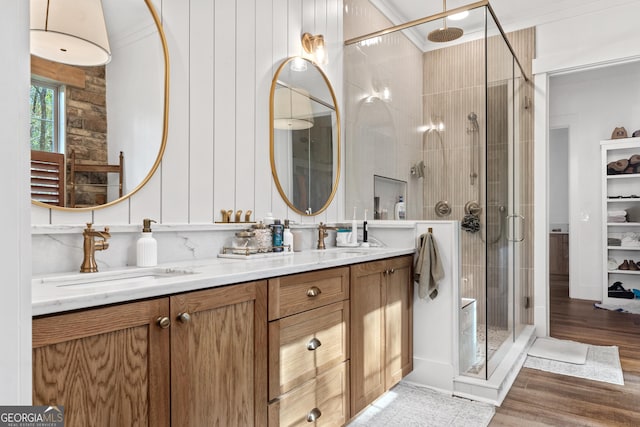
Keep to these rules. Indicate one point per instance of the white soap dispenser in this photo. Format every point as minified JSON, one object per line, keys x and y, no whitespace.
{"x":146,"y":247}
{"x":287,"y":237}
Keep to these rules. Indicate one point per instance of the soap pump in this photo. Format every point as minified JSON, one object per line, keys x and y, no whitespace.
{"x":146,"y":247}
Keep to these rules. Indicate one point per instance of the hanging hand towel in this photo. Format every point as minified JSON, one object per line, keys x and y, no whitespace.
{"x":428,"y":270}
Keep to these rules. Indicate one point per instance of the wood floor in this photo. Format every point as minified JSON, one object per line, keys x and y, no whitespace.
{"x":540,"y":398}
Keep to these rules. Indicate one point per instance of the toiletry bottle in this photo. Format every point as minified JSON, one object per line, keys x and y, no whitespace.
{"x":400,"y":211}
{"x":354,"y":229}
{"x":277,"y":230}
{"x":268,"y":219}
{"x":146,"y":247}
{"x":287,"y":237}
{"x":365,"y":232}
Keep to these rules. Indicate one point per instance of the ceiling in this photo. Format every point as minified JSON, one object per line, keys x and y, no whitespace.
{"x":512,"y":14}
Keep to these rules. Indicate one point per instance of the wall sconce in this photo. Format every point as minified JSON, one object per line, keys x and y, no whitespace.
{"x":291,"y":109}
{"x":314,"y":45}
{"x":70,"y":32}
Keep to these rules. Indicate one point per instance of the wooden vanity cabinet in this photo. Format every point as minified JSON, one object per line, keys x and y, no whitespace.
{"x":381,"y":328}
{"x":106,"y":366}
{"x":309,"y":348}
{"x":118,"y":366}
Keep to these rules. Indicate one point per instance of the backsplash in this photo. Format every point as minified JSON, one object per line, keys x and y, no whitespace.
{"x":178,"y":243}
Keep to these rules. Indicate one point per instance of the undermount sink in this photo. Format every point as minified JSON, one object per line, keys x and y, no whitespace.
{"x":111,"y":278}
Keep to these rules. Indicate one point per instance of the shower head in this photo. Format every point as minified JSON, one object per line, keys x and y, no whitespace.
{"x":445,"y":34}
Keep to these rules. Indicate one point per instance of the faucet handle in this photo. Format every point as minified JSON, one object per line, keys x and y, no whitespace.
{"x":89,"y":225}
{"x":106,"y":229}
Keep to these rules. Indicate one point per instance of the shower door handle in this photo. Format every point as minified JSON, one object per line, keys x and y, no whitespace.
{"x":511,"y":228}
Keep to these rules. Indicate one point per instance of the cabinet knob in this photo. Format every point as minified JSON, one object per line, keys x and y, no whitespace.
{"x":313,"y":415}
{"x":163,"y":322}
{"x":392,"y":271}
{"x":313,"y":291}
{"x":313,"y":344}
{"x":184,"y":317}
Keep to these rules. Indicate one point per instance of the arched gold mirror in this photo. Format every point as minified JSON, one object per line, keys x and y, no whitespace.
{"x":305,"y":136}
{"x":98,"y":133}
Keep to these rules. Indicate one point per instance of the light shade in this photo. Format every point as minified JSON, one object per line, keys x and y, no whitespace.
{"x":292,"y":109}
{"x":70,"y":32}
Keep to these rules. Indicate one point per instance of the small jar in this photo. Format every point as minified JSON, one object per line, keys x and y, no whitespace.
{"x":263,"y":237}
{"x":245,"y":243}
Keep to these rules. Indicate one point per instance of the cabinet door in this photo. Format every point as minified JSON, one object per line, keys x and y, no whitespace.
{"x":398,"y":320}
{"x":367,"y":334}
{"x":219,"y":357}
{"x":106,"y":366}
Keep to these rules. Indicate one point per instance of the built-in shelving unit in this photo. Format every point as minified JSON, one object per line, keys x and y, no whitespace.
{"x":620,"y":192}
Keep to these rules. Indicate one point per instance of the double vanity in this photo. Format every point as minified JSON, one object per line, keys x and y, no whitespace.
{"x":312,"y":337}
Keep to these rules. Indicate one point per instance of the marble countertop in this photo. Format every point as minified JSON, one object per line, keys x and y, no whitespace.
{"x":63,"y":292}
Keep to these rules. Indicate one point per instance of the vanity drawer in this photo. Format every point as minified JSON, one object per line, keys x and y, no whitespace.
{"x":326,"y":398}
{"x":301,"y":292}
{"x":303,"y":345}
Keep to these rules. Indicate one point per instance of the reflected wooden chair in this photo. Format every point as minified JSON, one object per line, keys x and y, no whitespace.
{"x":78,"y":166}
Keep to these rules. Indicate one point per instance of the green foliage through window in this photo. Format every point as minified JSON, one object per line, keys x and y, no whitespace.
{"x":44,"y":105}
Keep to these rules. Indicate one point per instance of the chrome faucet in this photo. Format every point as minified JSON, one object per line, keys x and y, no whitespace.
{"x":322,"y":233}
{"x":91,"y":246}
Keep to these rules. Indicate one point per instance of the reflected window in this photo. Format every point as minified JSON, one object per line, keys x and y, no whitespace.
{"x":47,"y":116}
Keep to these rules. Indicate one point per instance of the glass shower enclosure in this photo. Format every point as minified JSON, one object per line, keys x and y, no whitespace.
{"x":446,"y":115}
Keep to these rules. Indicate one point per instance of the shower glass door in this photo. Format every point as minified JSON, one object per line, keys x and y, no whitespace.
{"x":503,"y":222}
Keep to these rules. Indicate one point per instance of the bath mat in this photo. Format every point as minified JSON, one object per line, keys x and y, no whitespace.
{"x":409,"y":405}
{"x":603,"y":364}
{"x":560,"y":350}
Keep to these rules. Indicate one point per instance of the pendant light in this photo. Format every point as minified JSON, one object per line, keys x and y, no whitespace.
{"x":69,"y":31}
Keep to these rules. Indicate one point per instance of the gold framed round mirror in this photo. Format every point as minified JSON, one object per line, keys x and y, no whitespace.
{"x":108,"y":132}
{"x":304,"y":136}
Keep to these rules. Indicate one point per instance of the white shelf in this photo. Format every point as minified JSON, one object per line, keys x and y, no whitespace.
{"x":612,"y":186}
{"x":620,"y":200}
{"x":624,"y":272}
{"x":624,"y":176}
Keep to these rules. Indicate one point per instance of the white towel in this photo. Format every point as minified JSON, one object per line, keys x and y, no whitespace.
{"x":617,"y":213}
{"x":428,"y":270}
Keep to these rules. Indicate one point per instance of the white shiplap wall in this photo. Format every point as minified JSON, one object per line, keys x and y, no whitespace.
{"x":223,"y":55}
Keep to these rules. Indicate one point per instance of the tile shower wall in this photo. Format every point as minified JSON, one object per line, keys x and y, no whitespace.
{"x":453,"y":88}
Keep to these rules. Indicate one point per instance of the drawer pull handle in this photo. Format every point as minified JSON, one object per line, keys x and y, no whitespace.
{"x":313,"y":291}
{"x":392,"y":271}
{"x":313,"y":415}
{"x":313,"y":344}
{"x":163,"y":322}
